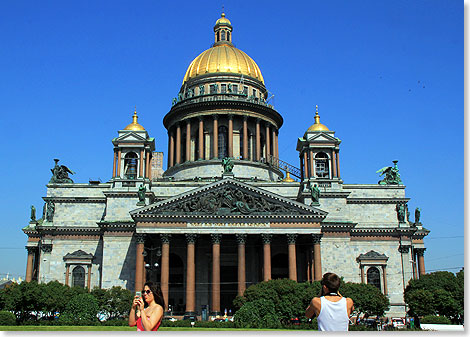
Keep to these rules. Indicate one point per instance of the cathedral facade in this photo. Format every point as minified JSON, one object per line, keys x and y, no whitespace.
{"x":227,"y":212}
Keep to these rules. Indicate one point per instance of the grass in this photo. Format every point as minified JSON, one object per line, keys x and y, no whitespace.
{"x":114,"y":328}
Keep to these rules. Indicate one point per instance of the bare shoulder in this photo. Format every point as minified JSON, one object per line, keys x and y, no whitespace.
{"x":349,"y":301}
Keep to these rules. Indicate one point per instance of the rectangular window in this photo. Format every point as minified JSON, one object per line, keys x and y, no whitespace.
{"x":245,"y":90}
{"x":235,"y":88}
{"x":223,"y":88}
{"x":212,"y":89}
{"x":254,"y":92}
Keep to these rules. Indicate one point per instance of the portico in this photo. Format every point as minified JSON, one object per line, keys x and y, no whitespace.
{"x":231,"y":227}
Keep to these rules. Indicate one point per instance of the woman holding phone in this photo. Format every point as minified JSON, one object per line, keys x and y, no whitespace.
{"x":147,"y":310}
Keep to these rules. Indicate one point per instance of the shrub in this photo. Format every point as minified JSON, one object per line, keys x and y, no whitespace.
{"x":81,"y":310}
{"x":7,"y":318}
{"x":259,"y":313}
{"x":115,"y":322}
{"x":431,"y":319}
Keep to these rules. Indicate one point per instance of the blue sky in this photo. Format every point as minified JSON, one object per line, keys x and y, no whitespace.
{"x":387,"y":77}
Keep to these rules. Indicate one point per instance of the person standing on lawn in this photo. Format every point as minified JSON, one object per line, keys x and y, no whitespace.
{"x":147,"y":315}
{"x":331,"y":308}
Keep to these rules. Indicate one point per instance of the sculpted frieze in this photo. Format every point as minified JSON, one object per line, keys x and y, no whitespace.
{"x":227,"y":200}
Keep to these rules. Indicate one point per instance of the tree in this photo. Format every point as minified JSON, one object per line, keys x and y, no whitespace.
{"x":439,"y":293}
{"x":82,"y":309}
{"x":289,"y":298}
{"x":118,"y":302}
{"x":367,"y":298}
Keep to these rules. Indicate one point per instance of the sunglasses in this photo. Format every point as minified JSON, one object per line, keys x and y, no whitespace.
{"x":147,"y":292}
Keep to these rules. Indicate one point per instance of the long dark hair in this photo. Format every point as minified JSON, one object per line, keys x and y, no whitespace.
{"x":157,"y":293}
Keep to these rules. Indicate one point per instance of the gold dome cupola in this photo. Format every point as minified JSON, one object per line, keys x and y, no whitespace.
{"x":134,"y":126}
{"x":317,"y":126}
{"x":223,"y":31}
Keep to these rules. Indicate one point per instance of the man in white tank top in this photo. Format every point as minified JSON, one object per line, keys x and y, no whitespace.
{"x":332,"y":309}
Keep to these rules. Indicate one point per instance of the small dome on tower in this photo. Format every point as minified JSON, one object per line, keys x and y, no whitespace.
{"x":317,"y":126}
{"x":134,"y":126}
{"x":223,"y":20}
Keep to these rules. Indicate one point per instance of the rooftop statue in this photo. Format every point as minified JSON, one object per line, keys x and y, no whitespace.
{"x":392,"y":177}
{"x":33,"y":213}
{"x":141,"y":195}
{"x":315,"y":193}
{"x":227,"y":163}
{"x":417,"y":215}
{"x":60,"y":174}
{"x":400,"y":213}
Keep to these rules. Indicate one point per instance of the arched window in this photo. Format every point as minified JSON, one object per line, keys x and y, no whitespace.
{"x":223,"y":35}
{"x":78,"y":277}
{"x":223,"y":141}
{"x":130,"y":165}
{"x":373,"y":277}
{"x":321,"y":165}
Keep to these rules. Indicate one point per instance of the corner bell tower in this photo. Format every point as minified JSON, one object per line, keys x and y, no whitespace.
{"x":132,"y":154}
{"x":319,"y":156}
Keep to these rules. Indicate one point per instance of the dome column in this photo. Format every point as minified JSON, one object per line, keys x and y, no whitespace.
{"x":178,"y":144}
{"x":188,"y":140}
{"x":230,"y":135}
{"x":201,"y":139}
{"x":268,"y":141}
{"x":171,"y":148}
{"x":258,"y":141}
{"x":276,"y":142}
{"x":216,"y":137}
{"x":245,"y":138}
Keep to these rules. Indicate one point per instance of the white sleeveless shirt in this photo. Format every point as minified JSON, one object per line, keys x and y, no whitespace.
{"x":333,"y":315}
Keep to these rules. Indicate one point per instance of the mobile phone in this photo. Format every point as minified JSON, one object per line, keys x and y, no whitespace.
{"x":138,"y":293}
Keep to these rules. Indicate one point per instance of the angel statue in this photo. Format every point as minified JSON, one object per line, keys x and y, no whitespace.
{"x":227,"y":163}
{"x":60,"y":174}
{"x":392,"y":177}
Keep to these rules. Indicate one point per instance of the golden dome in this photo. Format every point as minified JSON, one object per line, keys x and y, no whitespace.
{"x":134,"y":126}
{"x":223,"y":57}
{"x":223,"y":21}
{"x":317,"y":126}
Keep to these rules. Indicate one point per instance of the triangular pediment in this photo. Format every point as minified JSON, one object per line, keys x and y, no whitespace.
{"x":321,"y":137}
{"x":229,"y":198}
{"x":130,"y":137}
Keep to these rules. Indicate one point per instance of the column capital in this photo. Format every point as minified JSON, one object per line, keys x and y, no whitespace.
{"x":316,"y":238}
{"x":139,"y":238}
{"x":191,"y":238}
{"x":47,"y":248}
{"x":241,"y":238}
{"x":230,"y":116}
{"x":245,"y":117}
{"x":31,"y":250}
{"x":215,"y":116}
{"x":420,"y":251}
{"x":165,"y":238}
{"x":291,"y":238}
{"x":404,"y":248}
{"x":266,"y":238}
{"x":200,"y":118}
{"x":216,"y":238}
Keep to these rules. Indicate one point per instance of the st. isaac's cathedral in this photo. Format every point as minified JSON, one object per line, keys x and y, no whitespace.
{"x":228,"y":212}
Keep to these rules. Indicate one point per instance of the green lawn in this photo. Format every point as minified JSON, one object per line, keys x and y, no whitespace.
{"x":111,"y":328}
